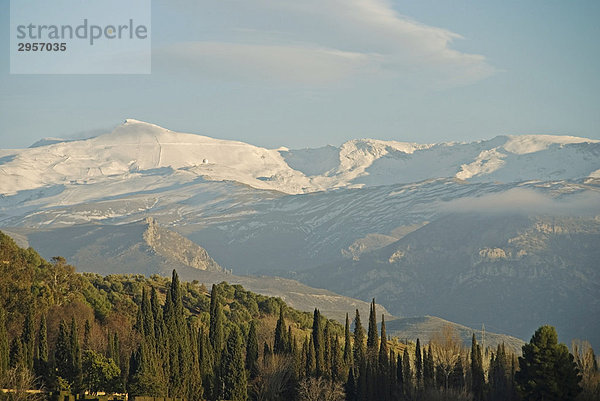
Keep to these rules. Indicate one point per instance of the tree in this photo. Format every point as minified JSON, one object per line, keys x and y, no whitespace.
{"x":347,"y":344}
{"x":477,"y":378}
{"x":280,"y":342}
{"x":28,"y":338}
{"x":319,"y":389}
{"x":234,"y":375}
{"x":319,"y":343}
{"x":41,"y":358}
{"x":62,"y":352}
{"x":359,"y":341}
{"x":99,"y":372}
{"x":252,"y":352}
{"x":4,"y":350}
{"x":418,"y":365}
{"x":215,"y":332}
{"x":547,"y":369}
{"x":372,"y":339}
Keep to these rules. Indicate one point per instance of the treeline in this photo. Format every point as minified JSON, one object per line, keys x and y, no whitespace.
{"x":157,"y":337}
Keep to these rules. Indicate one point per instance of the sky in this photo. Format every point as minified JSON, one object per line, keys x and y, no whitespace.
{"x":316,"y":72}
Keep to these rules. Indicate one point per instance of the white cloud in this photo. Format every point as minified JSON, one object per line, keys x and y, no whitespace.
{"x":317,"y":41}
{"x":265,"y":62}
{"x":527,"y":201}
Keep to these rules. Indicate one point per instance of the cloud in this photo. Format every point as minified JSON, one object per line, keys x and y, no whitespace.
{"x":263,"y":62}
{"x":527,"y":201}
{"x":320,"y":41}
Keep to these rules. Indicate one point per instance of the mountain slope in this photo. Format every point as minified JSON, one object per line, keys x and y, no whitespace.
{"x":511,"y":272}
{"x":136,"y":150}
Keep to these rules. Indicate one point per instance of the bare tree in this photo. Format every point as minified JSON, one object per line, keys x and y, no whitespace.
{"x":274,"y":380}
{"x":588,"y":367}
{"x":319,"y":389}
{"x":447,"y":348}
{"x":19,"y":384}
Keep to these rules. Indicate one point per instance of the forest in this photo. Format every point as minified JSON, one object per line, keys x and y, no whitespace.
{"x":152,"y":336}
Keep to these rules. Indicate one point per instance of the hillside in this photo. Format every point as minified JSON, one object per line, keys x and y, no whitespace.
{"x":510,"y":272}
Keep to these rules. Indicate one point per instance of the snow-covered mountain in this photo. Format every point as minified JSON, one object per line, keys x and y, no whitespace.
{"x":136,"y":150}
{"x":295,"y":212}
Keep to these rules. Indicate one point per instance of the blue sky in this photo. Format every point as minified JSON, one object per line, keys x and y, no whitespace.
{"x":315,"y":72}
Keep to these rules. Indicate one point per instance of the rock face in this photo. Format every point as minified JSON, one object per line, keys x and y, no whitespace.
{"x":172,"y":245}
{"x":511,"y":272}
{"x":142,"y":247}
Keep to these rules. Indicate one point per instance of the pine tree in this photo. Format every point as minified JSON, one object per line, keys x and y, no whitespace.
{"x":252,"y":352}
{"x":547,"y":369}
{"x":234,"y":375}
{"x":4,"y":348}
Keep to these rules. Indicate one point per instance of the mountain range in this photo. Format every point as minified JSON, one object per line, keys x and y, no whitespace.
{"x":503,"y":232}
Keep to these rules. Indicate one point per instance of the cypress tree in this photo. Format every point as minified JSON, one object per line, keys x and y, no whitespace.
{"x":234,"y":375}
{"x":148,"y":317}
{"x":478,"y":380}
{"x":372,"y":339}
{"x":347,"y":344}
{"x":76,"y":370}
{"x":383,"y":381}
{"x":28,"y":339}
{"x":87,"y":329}
{"x":350,"y":386}
{"x":62,"y":352}
{"x":252,"y":352}
{"x":216,"y":322}
{"x":17,"y":354}
{"x":428,"y":368}
{"x":4,"y":348}
{"x":418,"y":365}
{"x":359,"y":341}
{"x":206,"y":360}
{"x":407,"y":379}
{"x":318,"y":343}
{"x":337,"y":363}
{"x":311,"y":363}
{"x":280,"y":342}
{"x":400,"y":376}
{"x":457,"y":376}
{"x":42,"y":350}
{"x":327,"y":354}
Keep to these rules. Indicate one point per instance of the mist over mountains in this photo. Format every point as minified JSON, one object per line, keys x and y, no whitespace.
{"x":503,"y":231}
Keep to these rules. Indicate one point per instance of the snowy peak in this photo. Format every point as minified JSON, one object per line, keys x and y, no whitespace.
{"x":146,"y":156}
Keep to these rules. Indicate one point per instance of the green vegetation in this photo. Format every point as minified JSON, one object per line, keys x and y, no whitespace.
{"x":158,"y":337}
